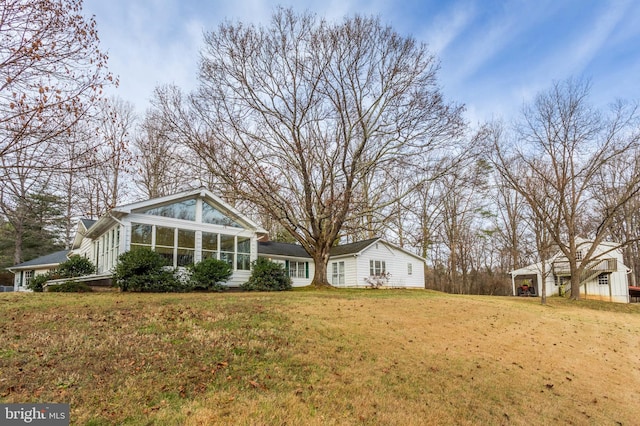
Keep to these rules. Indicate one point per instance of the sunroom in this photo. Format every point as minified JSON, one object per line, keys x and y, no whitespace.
{"x":184,"y":228}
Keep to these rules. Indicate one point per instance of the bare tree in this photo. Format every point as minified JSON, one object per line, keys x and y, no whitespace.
{"x":20,"y":179}
{"x":104,"y":182}
{"x":625,"y":224}
{"x":51,"y":74}
{"x":560,"y":147}
{"x":463,"y":206}
{"x":162,"y":162}
{"x":295,"y":116}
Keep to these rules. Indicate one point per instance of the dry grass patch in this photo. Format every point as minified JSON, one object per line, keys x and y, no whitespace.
{"x":339,"y":357}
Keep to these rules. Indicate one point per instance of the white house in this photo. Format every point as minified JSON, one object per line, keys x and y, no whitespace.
{"x":369,"y":263}
{"x":604,"y":278}
{"x":25,"y":271}
{"x":194,"y":225}
{"x":373,"y":263}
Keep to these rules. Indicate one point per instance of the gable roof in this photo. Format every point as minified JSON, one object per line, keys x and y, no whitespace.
{"x":282,"y":249}
{"x":119,"y":212}
{"x":359,"y":247}
{"x":295,"y":250}
{"x":352,"y":248}
{"x":83,"y":227}
{"x":51,"y":259}
{"x":88,"y":223}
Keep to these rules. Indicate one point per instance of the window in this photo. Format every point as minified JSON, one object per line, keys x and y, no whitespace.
{"x":227,"y":248}
{"x":603,"y":279}
{"x":409,"y":269}
{"x":212,"y":215}
{"x":178,"y":246}
{"x":141,"y":235}
{"x":337,"y":273}
{"x":28,"y":275}
{"x":186,"y":247}
{"x":185,"y":210}
{"x":377,"y":268}
{"x":579,"y":255}
{"x":243,"y":261}
{"x":298,"y":269}
{"x":165,"y":240}
{"x":209,"y":245}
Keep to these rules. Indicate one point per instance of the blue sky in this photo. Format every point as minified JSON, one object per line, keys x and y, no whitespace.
{"x":494,"y":55}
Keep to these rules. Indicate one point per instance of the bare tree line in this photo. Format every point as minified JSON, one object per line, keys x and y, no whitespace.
{"x":327,"y":132}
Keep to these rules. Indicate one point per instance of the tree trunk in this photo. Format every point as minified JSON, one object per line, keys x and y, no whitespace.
{"x":321,"y":259}
{"x":17,"y":251}
{"x":542,"y":286}
{"x":575,"y":284}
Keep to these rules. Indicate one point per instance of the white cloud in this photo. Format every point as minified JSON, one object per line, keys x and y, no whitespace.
{"x":448,"y":26}
{"x":587,"y":44}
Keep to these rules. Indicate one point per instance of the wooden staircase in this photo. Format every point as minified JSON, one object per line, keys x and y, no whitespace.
{"x":594,"y":268}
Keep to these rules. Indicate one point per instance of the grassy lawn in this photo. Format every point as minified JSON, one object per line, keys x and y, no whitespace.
{"x":321,"y":357}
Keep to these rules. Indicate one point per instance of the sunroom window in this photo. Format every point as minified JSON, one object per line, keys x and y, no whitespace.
{"x":141,"y":235}
{"x":165,"y":242}
{"x":227,"y":248}
{"x":214,"y":216}
{"x":209,"y":245}
{"x":186,"y":247}
{"x":243,"y":262}
{"x":185,"y":210}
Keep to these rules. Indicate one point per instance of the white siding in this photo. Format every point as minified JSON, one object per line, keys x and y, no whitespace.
{"x":619,"y":291}
{"x":396,"y":264}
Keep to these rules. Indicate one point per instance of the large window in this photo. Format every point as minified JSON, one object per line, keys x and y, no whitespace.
{"x":227,"y":243}
{"x":209,"y":245}
{"x":377,"y":268}
{"x":141,"y":235}
{"x":107,"y":247}
{"x":178,"y":246}
{"x":165,"y":242}
{"x":337,"y":273}
{"x":212,"y":215}
{"x":243,"y":261}
{"x":186,"y":247}
{"x":185,"y":210}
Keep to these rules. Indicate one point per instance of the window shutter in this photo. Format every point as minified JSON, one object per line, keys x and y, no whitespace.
{"x":306,"y":267}
{"x":286,"y":267}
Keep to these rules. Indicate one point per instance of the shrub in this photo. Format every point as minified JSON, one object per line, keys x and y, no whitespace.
{"x":70,"y":287}
{"x":76,"y":266}
{"x":210,"y":274}
{"x":267,"y":276}
{"x":145,"y":270}
{"x":37,"y":283}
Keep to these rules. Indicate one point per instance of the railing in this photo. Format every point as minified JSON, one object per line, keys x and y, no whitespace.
{"x":561,"y":267}
{"x":593,"y":269}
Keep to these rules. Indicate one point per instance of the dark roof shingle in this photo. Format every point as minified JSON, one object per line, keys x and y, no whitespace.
{"x":282,"y":249}
{"x":49,"y":259}
{"x":352,"y":248}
